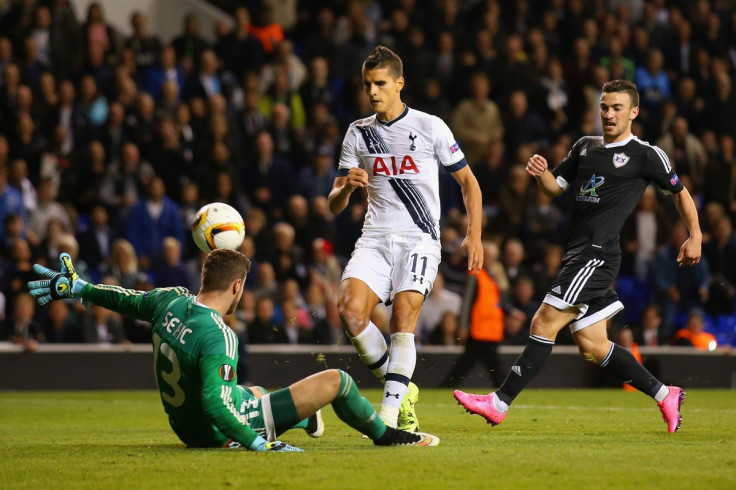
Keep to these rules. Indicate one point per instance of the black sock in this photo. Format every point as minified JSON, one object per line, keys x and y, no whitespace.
{"x":527,"y":366}
{"x":622,"y":364}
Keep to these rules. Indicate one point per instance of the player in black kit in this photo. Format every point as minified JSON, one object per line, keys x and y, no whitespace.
{"x":608,"y":176}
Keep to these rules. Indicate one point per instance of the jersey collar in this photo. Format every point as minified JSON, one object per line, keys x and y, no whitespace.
{"x":397,"y":118}
{"x":619,"y":143}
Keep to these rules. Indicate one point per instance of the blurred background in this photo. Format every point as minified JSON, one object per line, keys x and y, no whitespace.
{"x":118,"y":120}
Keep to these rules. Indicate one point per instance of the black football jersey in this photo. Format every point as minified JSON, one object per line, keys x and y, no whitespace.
{"x":608,"y":181}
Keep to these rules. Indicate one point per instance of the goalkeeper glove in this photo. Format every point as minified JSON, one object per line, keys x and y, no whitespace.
{"x":59,"y":285}
{"x":260,"y":444}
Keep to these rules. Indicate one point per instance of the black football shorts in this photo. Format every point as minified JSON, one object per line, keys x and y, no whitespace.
{"x":585,"y":283}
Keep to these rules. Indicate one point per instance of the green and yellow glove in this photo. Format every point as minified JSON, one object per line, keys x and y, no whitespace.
{"x":59,"y":285}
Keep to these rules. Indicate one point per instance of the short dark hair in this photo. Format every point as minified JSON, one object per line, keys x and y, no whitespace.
{"x":382,"y":57}
{"x":221,"y":267}
{"x":623,"y":86}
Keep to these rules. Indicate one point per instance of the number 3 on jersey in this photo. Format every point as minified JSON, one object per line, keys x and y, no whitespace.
{"x":418,"y":276}
{"x":170,"y":377}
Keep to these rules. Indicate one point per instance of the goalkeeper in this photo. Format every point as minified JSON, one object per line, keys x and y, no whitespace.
{"x":195,"y":354}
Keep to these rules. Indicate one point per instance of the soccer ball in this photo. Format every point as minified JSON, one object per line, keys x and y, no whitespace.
{"x":218,"y":225}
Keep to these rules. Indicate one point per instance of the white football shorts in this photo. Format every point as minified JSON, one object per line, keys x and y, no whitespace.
{"x":390,"y":265}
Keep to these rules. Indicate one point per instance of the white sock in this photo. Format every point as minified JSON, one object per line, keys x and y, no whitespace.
{"x":402,"y":360}
{"x":500,"y":405}
{"x":372,"y":350}
{"x":662,"y":394}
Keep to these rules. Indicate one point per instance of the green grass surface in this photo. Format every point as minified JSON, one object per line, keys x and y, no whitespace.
{"x":551,"y":439}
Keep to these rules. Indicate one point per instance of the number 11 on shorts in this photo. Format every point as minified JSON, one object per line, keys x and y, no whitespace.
{"x":418,"y":277}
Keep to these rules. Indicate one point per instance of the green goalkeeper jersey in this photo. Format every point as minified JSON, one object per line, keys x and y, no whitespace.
{"x":194,"y":359}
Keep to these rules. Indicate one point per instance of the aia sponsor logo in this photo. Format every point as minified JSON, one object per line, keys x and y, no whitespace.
{"x":394,"y":166}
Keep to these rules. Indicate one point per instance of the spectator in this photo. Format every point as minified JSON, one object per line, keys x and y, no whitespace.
{"x":20,"y":327}
{"x":720,"y":251}
{"x":102,"y":326}
{"x":649,"y":332}
{"x":205,"y":80}
{"x":125,"y":182}
{"x":92,"y":101}
{"x":693,"y":335}
{"x":317,"y":179}
{"x":11,"y":202}
{"x":267,"y":31}
{"x":646,"y":229}
{"x":268,"y":177}
{"x":145,"y":47}
{"x":523,"y":306}
{"x":654,"y":87}
{"x":96,"y":31}
{"x":60,"y":326}
{"x":95,"y":241}
{"x":165,"y":70}
{"x":263,"y":329}
{"x":47,"y":209}
{"x":171,"y":271}
{"x":477,"y":120}
{"x":523,"y":125}
{"x":122,"y":264}
{"x":151,"y":219}
{"x":685,"y":152}
{"x":447,"y":330}
{"x":189,"y":45}
{"x":439,"y":301}
{"x":675,"y":288}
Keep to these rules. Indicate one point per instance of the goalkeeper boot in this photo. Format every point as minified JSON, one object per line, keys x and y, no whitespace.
{"x":408,"y":420}
{"x":481,"y":405}
{"x":670,"y":408}
{"x":396,"y":437}
{"x":315,"y":425}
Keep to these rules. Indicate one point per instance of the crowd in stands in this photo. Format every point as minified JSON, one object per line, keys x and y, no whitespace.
{"x":109,"y":144}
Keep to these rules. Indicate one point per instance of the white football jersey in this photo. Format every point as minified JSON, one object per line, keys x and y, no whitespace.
{"x":402,"y":158}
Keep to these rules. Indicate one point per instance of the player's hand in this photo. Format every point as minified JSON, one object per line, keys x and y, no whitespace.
{"x":357,"y":177}
{"x":282,"y":447}
{"x":536,"y":166}
{"x":58,"y":285}
{"x":689,"y":252}
{"x":474,"y":249}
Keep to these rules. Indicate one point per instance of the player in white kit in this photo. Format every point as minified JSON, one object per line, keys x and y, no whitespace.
{"x":396,"y":155}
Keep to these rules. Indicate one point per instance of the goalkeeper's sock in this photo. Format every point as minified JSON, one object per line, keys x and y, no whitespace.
{"x":622,"y":364}
{"x":402,"y":360}
{"x":372,"y":350}
{"x":352,"y":408}
{"x":526,"y":367}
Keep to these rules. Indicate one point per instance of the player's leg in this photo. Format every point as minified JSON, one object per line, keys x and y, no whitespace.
{"x":547,"y":322}
{"x":402,"y":357}
{"x":337,"y":387}
{"x":594,"y":346}
{"x":355,"y":302}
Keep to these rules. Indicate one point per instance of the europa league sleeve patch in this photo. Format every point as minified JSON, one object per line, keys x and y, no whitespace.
{"x":227,"y":372}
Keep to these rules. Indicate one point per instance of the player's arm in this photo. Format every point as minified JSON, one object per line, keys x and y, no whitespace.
{"x":546,"y":181}
{"x":344,"y":186}
{"x":218,"y":386}
{"x":66,"y":283}
{"x":690,"y":250}
{"x":473,"y":207}
{"x":349,"y":174}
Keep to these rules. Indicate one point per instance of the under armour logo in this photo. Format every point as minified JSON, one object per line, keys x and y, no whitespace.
{"x":416,"y":278}
{"x":389,"y":395}
{"x":412,"y":137}
{"x":516,"y":370}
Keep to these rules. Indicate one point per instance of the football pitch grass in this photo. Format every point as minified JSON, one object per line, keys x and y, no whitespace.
{"x":570,"y":439}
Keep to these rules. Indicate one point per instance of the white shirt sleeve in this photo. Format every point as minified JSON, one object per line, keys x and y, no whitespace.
{"x":349,"y":157}
{"x":445,"y":145}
